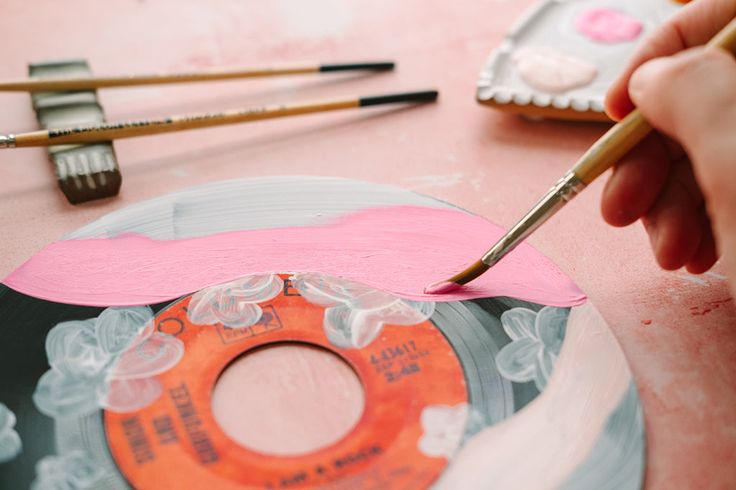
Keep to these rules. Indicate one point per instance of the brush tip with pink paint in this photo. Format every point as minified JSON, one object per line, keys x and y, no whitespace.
{"x":441,"y":287}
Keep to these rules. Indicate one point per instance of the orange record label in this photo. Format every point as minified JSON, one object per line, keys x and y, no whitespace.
{"x":175,"y":441}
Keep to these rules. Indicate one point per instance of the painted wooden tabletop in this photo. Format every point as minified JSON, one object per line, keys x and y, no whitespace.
{"x":676,"y":329}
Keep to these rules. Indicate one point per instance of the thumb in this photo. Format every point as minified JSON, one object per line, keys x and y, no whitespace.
{"x":691,"y":97}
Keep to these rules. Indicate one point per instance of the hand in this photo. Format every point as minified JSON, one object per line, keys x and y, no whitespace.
{"x":681,"y":182}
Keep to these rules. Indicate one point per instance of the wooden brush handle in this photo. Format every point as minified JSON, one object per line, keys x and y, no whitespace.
{"x":87,"y":83}
{"x":628,"y":132}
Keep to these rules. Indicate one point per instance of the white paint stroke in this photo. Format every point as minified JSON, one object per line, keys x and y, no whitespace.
{"x":270,"y":202}
{"x":693,"y":279}
{"x":715,"y":275}
{"x":543,"y":444}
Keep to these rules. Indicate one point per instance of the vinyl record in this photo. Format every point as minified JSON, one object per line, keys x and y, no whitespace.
{"x":458,"y":394}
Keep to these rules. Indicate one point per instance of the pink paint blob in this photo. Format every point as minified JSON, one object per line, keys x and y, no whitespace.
{"x":441,"y":287}
{"x":608,"y":26}
{"x":398,"y":249}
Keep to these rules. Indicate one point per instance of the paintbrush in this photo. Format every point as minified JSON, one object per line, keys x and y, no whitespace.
{"x":86,"y":83}
{"x":128,"y":129}
{"x":604,"y":153}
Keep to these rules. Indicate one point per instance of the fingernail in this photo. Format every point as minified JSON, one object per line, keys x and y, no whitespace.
{"x":643,"y":77}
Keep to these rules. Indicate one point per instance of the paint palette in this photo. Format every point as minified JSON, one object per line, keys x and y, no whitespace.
{"x":559,"y":59}
{"x":111,"y":357}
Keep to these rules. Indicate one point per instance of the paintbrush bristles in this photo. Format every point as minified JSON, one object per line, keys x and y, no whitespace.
{"x":464,"y":277}
{"x":472,"y":272}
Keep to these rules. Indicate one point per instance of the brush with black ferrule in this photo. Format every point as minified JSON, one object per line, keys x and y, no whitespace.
{"x":127,"y":129}
{"x":59,"y":84}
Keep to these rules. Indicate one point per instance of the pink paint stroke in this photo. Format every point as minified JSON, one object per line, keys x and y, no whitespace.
{"x":397,"y":249}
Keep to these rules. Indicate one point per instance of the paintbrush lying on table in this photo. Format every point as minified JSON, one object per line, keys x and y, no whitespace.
{"x":129,"y":129}
{"x":604,"y":153}
{"x":86,"y":83}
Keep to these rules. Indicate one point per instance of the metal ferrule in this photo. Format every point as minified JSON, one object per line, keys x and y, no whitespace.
{"x":7,"y":141}
{"x":563,"y":191}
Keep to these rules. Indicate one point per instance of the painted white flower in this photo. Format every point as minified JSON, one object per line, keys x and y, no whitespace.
{"x":10,"y":444}
{"x":443,"y":429}
{"x":105,"y":362}
{"x":73,"y":470}
{"x":536,"y":342}
{"x":355,"y":314}
{"x":234,"y":304}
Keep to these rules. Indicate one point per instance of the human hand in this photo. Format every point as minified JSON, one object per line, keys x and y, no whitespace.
{"x":682,"y":182}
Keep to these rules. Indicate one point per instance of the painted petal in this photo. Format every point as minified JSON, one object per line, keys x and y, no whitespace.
{"x":543,"y":367}
{"x":81,"y":471}
{"x":57,"y":395}
{"x":319,"y":289}
{"x":128,"y":395}
{"x":237,"y":314}
{"x":200,"y":309}
{"x":71,"y":347}
{"x":518,"y":323}
{"x":50,"y":474}
{"x":516,"y":360}
{"x":404,"y":312}
{"x":10,"y":446}
{"x":444,"y":428}
{"x":327,"y":290}
{"x":350,"y":328}
{"x":550,"y":327}
{"x":364,"y":298}
{"x":7,"y":419}
{"x":116,"y":328}
{"x":254,"y":289}
{"x":157,"y":354}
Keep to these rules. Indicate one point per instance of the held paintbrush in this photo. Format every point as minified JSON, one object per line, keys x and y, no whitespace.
{"x":129,"y":129}
{"x":88,"y":83}
{"x":604,"y":153}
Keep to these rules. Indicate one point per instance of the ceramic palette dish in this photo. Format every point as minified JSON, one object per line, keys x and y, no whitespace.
{"x":116,"y":335}
{"x":559,"y":59}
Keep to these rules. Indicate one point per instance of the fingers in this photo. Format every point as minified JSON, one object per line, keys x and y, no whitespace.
{"x":692,"y":26}
{"x":706,"y":255}
{"x":691,"y":97}
{"x":636,"y":183}
{"x":677,"y":222}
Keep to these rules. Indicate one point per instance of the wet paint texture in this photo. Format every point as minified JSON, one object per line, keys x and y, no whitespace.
{"x":553,"y":71}
{"x":399,"y":249}
{"x":608,"y":26}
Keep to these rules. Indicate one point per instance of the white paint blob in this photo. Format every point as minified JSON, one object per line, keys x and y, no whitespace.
{"x":553,"y":71}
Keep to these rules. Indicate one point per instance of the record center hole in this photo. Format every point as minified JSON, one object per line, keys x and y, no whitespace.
{"x":288,"y":399}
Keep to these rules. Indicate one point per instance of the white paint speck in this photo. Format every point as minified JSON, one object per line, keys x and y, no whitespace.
{"x":693,"y":279}
{"x":715,"y":275}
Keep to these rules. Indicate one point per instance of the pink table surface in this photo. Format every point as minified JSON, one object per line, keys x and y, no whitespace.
{"x":676,"y":329}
